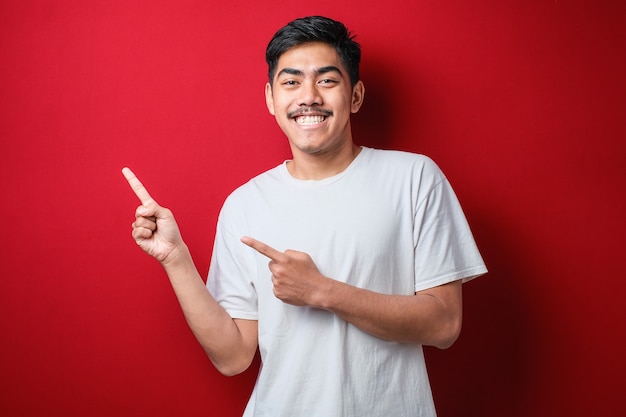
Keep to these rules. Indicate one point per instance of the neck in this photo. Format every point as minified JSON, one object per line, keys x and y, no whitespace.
{"x":318,"y":167}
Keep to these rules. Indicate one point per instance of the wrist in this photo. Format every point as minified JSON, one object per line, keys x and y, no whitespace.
{"x":178,"y":258}
{"x":325,"y":294}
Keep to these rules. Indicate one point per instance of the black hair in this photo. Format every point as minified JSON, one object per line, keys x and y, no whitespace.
{"x":315,"y":29}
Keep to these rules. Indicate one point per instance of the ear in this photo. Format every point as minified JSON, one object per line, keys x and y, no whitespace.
{"x":269,"y":99}
{"x":358,"y":95}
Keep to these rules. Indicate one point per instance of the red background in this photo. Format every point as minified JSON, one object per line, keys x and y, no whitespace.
{"x":521,"y":102}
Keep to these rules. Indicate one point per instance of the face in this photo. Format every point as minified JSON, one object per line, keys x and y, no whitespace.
{"x":311,"y":98}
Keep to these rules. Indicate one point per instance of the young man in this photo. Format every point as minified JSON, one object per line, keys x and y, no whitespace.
{"x":367,"y":251}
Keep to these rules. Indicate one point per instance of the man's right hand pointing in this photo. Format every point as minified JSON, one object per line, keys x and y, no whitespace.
{"x":155,"y":229}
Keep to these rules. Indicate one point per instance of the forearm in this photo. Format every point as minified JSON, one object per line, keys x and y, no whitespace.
{"x":432,"y":317}
{"x":230,"y":347}
{"x":230,"y":344}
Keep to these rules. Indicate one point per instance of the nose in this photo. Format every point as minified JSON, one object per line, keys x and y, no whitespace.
{"x":309,"y":94}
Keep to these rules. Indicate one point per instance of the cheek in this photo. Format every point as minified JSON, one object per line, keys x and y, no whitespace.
{"x":280,"y":106}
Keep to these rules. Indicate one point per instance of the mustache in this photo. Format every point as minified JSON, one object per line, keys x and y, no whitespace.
{"x":309,"y":110}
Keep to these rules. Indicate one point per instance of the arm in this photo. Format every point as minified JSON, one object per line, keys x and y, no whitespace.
{"x":430,"y":317}
{"x":229,"y":343}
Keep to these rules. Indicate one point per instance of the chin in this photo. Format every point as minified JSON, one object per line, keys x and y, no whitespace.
{"x":309,"y":149}
{"x":307,"y":146}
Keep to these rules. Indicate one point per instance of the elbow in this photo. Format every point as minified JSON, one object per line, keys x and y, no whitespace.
{"x":447,"y":342}
{"x":230,"y":371}
{"x":448,"y":333}
{"x":231,"y":367}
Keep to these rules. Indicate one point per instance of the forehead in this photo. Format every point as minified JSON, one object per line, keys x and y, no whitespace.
{"x":309,"y":57}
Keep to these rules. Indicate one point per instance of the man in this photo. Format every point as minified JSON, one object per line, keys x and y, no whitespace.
{"x":367,"y":251}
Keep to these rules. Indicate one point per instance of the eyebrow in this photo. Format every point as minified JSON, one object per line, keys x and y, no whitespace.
{"x":319,"y":71}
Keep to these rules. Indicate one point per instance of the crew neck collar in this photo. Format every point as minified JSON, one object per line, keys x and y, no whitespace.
{"x":284,"y":171}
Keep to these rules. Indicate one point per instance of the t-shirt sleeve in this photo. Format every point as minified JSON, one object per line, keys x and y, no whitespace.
{"x":231,"y":275}
{"x":445,"y":249}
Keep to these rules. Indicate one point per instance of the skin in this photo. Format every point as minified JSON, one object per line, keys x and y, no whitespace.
{"x":229,"y":343}
{"x":310,"y":82}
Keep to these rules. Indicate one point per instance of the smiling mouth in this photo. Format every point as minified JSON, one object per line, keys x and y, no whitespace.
{"x":309,"y":120}
{"x":309,"y":116}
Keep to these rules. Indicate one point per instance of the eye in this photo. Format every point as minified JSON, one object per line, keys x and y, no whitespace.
{"x":290,"y":82}
{"x":327,"y":82}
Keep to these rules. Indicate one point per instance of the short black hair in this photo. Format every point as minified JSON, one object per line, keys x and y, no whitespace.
{"x":315,"y":29}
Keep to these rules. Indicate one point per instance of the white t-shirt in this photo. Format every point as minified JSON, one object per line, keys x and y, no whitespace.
{"x":390,"y":223}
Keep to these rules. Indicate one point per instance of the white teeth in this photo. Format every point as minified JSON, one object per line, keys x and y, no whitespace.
{"x":309,"y":120}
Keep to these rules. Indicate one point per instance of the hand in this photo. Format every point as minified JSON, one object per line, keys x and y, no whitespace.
{"x":296,"y":279}
{"x":154,"y":229}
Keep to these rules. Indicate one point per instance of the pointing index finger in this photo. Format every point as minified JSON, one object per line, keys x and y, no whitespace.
{"x":137,"y":186}
{"x":263,"y":249}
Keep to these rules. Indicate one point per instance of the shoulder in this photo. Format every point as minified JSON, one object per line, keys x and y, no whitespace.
{"x":404,"y":163}
{"x":396,"y":156}
{"x":249,"y":192}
